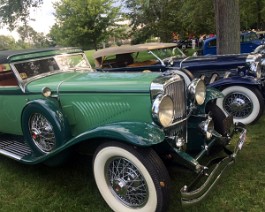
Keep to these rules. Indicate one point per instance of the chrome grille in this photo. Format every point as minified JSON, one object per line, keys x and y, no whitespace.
{"x":176,"y":90}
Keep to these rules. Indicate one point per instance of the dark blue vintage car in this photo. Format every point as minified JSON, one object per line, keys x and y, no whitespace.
{"x":249,"y":41}
{"x":239,"y":77}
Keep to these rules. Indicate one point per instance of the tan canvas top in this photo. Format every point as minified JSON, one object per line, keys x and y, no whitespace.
{"x":131,"y":49}
{"x":153,"y":46}
{"x":115,"y":50}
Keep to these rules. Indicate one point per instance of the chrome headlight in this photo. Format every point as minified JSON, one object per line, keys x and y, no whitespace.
{"x":197,"y":91}
{"x":46,"y":92}
{"x":255,"y":68}
{"x":207,"y":128}
{"x":262,"y":67}
{"x":163,"y":110}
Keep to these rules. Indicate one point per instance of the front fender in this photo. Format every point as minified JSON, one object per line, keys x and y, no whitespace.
{"x":48,"y":106}
{"x":235,"y":80}
{"x":211,"y":94}
{"x":135,"y":133}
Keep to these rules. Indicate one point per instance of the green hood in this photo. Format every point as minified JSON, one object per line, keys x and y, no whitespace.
{"x":94,"y":82}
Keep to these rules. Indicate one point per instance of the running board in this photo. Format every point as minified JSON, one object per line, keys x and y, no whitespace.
{"x":13,"y":146}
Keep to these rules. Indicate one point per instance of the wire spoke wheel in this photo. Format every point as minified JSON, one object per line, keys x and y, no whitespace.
{"x":42,"y":132}
{"x":127,"y":182}
{"x":238,"y":104}
{"x":131,"y":179}
{"x":246,"y":104}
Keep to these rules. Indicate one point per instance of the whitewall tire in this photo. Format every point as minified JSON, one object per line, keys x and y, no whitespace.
{"x":130,"y":179}
{"x":245,"y":104}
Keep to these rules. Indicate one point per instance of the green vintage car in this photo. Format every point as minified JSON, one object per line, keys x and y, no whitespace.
{"x":52,"y":103}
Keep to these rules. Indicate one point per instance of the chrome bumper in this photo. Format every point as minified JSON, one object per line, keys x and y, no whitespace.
{"x":191,"y":196}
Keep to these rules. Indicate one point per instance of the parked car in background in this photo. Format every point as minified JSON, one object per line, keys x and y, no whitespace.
{"x":249,"y":41}
{"x":239,"y":77}
{"x":53,"y":103}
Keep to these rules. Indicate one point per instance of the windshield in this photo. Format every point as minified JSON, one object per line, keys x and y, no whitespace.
{"x":38,"y":67}
{"x":156,"y":56}
{"x":74,"y":61}
{"x":163,"y":54}
{"x":249,"y":37}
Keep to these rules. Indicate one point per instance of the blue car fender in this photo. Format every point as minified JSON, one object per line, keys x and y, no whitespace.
{"x":235,"y":80}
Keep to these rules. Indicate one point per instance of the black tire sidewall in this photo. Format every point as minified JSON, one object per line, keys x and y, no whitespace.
{"x":218,"y":117}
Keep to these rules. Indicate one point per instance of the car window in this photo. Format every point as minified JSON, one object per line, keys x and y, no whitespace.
{"x":161,"y":53}
{"x":7,"y":77}
{"x":142,"y":56}
{"x":212,"y":43}
{"x":72,"y":61}
{"x":4,"y":67}
{"x":249,"y":37}
{"x":57,"y":63}
{"x":33,"y":68}
{"x":137,"y":59}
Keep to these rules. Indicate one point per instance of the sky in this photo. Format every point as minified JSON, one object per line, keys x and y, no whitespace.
{"x":43,"y":17}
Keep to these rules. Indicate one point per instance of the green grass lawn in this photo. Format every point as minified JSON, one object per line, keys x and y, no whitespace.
{"x":72,"y":187}
{"x":89,"y":55}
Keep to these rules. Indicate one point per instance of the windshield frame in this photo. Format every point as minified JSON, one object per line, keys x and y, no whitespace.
{"x":23,"y":82}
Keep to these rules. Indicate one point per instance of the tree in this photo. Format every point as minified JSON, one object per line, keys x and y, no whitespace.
{"x":251,"y":14}
{"x":16,"y":11}
{"x":196,"y":17}
{"x":7,"y":42}
{"x":151,"y":18}
{"x":30,"y":38}
{"x":84,"y":23}
{"x":162,"y":18}
{"x":227,"y":26}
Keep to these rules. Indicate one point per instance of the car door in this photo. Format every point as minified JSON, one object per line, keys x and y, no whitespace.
{"x":12,"y":101}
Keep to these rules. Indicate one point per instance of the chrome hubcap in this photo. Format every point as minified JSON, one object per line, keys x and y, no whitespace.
{"x":126,"y":182}
{"x":42,"y":133}
{"x":237,"y":104}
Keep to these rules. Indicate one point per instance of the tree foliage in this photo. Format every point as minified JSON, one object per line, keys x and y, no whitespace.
{"x":83,"y":23}
{"x":252,"y":14}
{"x":13,"y":12}
{"x":185,"y":17}
{"x":7,"y":42}
{"x":163,"y":17}
{"x":29,"y":38}
{"x":86,"y":23}
{"x":151,"y":18}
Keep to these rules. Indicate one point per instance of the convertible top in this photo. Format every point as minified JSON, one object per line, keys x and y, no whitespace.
{"x":153,"y":46}
{"x":115,"y":50}
{"x":127,"y":49}
{"x":8,"y":56}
